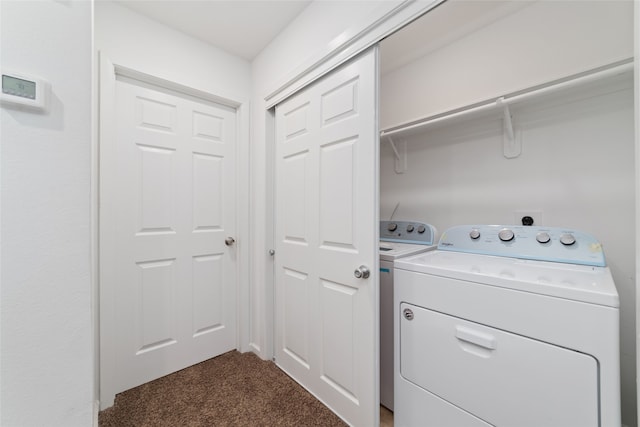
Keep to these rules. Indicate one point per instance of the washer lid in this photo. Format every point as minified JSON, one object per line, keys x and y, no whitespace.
{"x":569,"y":281}
{"x":390,"y":251}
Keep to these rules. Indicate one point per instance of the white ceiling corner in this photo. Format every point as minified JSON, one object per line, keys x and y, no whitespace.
{"x":240,"y":27}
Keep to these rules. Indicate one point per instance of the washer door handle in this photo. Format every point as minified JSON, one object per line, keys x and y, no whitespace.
{"x":478,"y":338}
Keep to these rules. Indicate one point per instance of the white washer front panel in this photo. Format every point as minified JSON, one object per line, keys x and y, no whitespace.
{"x":587,"y":328}
{"x":518,"y":326}
{"x":495,"y":375}
{"x":416,"y":407}
{"x":390,"y":251}
{"x":569,"y":281}
{"x":386,"y":334}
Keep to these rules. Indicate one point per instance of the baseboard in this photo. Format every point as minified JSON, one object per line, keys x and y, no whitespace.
{"x":96,"y":410}
{"x":255,"y":348}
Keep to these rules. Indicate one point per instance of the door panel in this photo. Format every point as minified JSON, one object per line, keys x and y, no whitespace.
{"x":338,"y":337}
{"x":336,"y":189}
{"x":296,"y":306}
{"x":172,"y":178}
{"x":295,"y":200}
{"x":326,"y":216}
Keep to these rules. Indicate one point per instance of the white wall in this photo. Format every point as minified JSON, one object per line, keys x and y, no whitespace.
{"x":45,"y":300}
{"x":577,"y":165}
{"x":537,"y":43}
{"x":128,"y":38}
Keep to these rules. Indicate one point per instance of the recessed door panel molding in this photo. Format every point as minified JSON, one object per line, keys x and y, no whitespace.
{"x":296,"y":305}
{"x":295,"y":197}
{"x":156,"y":287}
{"x":169,"y":173}
{"x":325,"y":197}
{"x":340,"y":103}
{"x":208,"y":126}
{"x":152,"y":139}
{"x":297,"y":121}
{"x":338,"y":356}
{"x":208,"y":279}
{"x":156,"y":115}
{"x":337,"y":174}
{"x":157,"y":189}
{"x":208,"y":184}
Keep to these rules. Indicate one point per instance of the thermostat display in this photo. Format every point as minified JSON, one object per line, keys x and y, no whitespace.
{"x":19,"y":87}
{"x":21,"y":90}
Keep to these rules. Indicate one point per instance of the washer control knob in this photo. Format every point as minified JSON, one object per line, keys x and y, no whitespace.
{"x":543,"y":237}
{"x":410,"y":228}
{"x":567,"y":239}
{"x":506,"y":235}
{"x":392,"y":226}
{"x":421,"y":229}
{"x":474,"y":234}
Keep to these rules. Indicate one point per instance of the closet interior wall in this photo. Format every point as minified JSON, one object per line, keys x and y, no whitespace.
{"x":576,"y":168}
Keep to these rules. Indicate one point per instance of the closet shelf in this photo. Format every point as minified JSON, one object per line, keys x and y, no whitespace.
{"x":511,"y":136}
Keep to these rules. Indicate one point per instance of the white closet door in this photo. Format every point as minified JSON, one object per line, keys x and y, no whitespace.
{"x":326,"y":225}
{"x":169,"y":204}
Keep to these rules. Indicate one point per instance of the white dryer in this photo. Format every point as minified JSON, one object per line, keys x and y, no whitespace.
{"x":398,"y":239}
{"x":507,"y":326}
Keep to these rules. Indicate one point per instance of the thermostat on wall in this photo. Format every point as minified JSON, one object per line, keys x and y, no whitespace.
{"x":24,"y":90}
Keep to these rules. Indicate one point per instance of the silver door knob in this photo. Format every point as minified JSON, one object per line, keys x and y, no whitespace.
{"x":361,"y":272}
{"x":229,"y":241}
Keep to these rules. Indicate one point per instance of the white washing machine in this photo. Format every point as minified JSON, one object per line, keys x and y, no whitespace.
{"x":397,"y":239}
{"x":507,"y":326}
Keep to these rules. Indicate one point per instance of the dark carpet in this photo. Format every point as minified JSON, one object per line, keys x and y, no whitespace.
{"x":229,"y":390}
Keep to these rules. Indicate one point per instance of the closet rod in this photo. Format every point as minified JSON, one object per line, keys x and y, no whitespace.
{"x":501,"y":101}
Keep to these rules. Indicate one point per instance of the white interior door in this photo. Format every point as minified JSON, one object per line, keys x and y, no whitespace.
{"x":326,"y":227}
{"x":168,"y":286}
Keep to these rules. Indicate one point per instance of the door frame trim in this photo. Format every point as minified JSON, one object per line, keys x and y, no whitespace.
{"x":103,"y":300}
{"x":121,"y":70}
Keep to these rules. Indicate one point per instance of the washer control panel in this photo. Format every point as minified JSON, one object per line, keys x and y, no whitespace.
{"x":419,"y":233}
{"x":552,"y":244}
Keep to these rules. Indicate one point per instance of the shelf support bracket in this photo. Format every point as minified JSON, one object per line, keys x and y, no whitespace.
{"x":400,"y":158}
{"x":511,"y":138}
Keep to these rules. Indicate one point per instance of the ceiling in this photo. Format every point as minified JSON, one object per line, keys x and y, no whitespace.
{"x":240,"y":27}
{"x":245,"y":27}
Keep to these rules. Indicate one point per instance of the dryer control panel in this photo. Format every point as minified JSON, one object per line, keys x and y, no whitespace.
{"x":552,"y":244}
{"x":418,"y":233}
